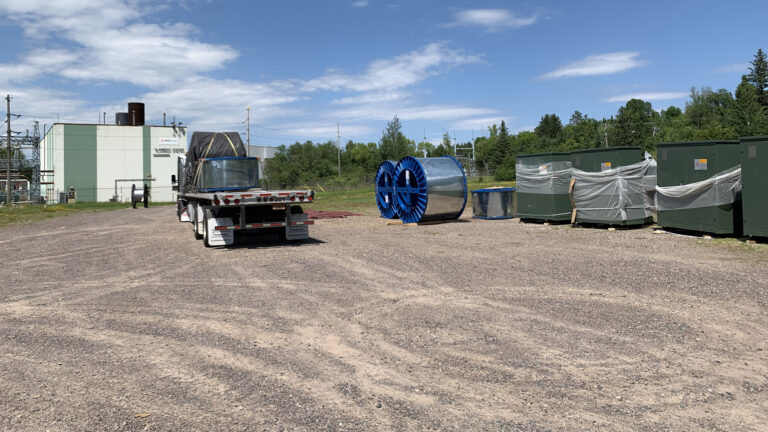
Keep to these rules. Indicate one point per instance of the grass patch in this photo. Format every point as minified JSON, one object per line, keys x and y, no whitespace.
{"x":363,"y":200}
{"x":747,"y":249}
{"x":27,"y":213}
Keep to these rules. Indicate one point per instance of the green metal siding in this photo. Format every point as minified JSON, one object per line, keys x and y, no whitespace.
{"x":147,"y":138}
{"x":754,"y":177}
{"x":544,"y":207}
{"x":592,"y":160}
{"x":595,"y":160}
{"x":80,"y":160}
{"x":677,"y":166}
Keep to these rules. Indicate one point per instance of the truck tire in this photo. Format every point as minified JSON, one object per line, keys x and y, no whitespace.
{"x":206,"y":237}
{"x":198,"y":232}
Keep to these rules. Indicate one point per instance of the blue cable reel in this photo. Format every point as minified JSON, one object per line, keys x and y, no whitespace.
{"x":385,"y":189}
{"x":430,"y":189}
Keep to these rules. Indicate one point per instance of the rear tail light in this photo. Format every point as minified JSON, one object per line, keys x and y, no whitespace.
{"x":217,"y":202}
{"x":226,"y":200}
{"x":309,"y":198}
{"x":237,"y":201}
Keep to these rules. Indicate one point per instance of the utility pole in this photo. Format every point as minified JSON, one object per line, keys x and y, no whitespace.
{"x":473,"y":144}
{"x":8,"y":151}
{"x":338,"y":144}
{"x":248,"y":133}
{"x":605,"y":134}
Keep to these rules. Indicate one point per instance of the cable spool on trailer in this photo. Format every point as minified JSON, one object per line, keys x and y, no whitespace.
{"x":139,"y":196}
{"x":430,"y":189}
{"x":385,"y":189}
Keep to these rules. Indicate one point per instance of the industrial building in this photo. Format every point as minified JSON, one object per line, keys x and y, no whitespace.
{"x":102,"y":161}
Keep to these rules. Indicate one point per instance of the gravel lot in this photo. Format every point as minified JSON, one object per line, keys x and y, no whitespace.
{"x":122,"y":321}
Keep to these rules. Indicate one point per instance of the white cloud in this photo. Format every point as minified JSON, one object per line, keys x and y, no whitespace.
{"x":742,"y":68}
{"x":211,"y":102}
{"x":397,"y":72}
{"x":369,"y":98}
{"x":113,"y":41}
{"x":110,"y":45}
{"x":479,"y":124}
{"x":598,"y":64}
{"x":35,"y":103}
{"x":492,"y":19}
{"x":360,"y":3}
{"x":650,"y":96}
{"x":415,"y":112}
{"x":517,"y":130}
{"x":323,"y":130}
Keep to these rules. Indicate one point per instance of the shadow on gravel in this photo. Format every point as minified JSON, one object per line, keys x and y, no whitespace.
{"x":254,"y":241}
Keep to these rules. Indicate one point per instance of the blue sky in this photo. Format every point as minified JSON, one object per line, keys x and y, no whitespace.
{"x":303,"y":66}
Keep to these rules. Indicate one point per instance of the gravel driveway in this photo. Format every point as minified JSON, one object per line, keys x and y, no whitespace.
{"x":122,"y":321}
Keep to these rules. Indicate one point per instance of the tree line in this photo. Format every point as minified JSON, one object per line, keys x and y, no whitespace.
{"x":708,"y":115}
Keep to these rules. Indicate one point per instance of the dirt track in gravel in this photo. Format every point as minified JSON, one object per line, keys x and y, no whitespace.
{"x":481,"y":325}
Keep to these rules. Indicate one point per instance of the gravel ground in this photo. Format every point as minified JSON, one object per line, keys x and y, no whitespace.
{"x":122,"y":321}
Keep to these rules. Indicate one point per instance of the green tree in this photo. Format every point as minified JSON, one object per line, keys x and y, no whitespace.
{"x":485,"y":149}
{"x":527,"y":142}
{"x":758,"y":76}
{"x":635,"y":123}
{"x":674,"y":126}
{"x":549,"y":126}
{"x":708,"y":109}
{"x":394,"y":145}
{"x":425,"y":148}
{"x":583,"y":134}
{"x":445,"y":147}
{"x":503,"y":147}
{"x":576,"y":118}
{"x":747,"y":116}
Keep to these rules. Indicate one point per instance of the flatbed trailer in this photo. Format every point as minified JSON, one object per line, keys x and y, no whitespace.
{"x":219,"y":193}
{"x":216,"y":216}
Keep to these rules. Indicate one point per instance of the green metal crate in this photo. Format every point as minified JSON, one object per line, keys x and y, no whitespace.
{"x":754,"y":178}
{"x":603,"y":159}
{"x":689,"y":162}
{"x":547,"y":206}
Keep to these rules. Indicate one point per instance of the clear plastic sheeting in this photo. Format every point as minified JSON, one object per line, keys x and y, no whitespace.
{"x":618,"y":194}
{"x":493,"y":203}
{"x":548,"y":178}
{"x":721,"y":189}
{"x":221,"y":174}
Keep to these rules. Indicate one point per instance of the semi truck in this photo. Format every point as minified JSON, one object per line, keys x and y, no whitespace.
{"x":219,"y":194}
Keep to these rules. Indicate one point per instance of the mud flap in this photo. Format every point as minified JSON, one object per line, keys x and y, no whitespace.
{"x":185,"y":216}
{"x":220,"y":237}
{"x":296,"y":232}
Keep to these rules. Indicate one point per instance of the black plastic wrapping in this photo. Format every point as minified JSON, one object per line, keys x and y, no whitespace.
{"x":210,"y":145}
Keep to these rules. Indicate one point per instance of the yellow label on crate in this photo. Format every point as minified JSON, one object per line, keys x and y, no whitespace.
{"x":700,"y":164}
{"x":605,"y":166}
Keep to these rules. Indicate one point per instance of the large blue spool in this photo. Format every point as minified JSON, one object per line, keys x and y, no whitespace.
{"x":430,"y":189}
{"x":385,"y":189}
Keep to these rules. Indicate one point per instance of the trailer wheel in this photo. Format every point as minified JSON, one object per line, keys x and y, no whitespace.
{"x":198,"y":232}
{"x":206,"y":236}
